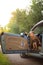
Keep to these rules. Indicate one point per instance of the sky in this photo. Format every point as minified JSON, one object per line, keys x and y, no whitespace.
{"x":8,"y":6}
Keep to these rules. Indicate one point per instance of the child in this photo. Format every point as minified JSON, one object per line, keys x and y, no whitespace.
{"x":34,"y":41}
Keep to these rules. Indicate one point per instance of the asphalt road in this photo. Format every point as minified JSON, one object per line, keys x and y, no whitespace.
{"x":15,"y":59}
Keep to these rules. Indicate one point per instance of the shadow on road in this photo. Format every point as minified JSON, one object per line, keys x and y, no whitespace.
{"x":38,"y":61}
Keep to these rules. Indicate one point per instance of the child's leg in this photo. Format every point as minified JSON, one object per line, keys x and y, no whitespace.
{"x":34,"y":45}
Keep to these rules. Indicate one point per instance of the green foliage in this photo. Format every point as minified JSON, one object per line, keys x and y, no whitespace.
{"x":21,"y":21}
{"x":4,"y":60}
{"x":36,"y":9}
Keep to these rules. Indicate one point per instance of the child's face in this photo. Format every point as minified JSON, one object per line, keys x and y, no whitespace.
{"x":31,"y":34}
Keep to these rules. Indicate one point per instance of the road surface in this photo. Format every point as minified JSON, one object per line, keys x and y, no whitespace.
{"x":15,"y":59}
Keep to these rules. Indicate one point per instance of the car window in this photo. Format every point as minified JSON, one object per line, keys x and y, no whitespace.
{"x":38,"y":30}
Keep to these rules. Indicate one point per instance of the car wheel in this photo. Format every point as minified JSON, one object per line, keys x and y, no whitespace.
{"x":23,"y":55}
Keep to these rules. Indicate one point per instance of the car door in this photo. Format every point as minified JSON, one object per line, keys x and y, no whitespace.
{"x":13,"y":43}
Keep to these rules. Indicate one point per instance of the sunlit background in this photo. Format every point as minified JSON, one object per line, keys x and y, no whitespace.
{"x":7,"y":6}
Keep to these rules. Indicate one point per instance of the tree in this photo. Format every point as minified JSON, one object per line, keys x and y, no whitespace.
{"x":36,"y":8}
{"x":21,"y":21}
{"x":18,"y":22}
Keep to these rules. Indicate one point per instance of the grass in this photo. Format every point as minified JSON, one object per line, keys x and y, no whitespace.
{"x":4,"y":60}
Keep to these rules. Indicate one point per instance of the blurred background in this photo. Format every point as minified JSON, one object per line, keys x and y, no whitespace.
{"x":18,"y":16}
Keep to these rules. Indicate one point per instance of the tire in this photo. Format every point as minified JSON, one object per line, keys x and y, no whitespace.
{"x":23,"y":55}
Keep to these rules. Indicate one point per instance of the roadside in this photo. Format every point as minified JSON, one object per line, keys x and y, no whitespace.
{"x":3,"y":59}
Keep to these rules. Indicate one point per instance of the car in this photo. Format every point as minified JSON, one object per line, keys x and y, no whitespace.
{"x":20,"y":43}
{"x":38,"y":31}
